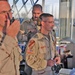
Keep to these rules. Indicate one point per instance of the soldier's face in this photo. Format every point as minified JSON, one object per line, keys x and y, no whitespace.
{"x":4,"y":9}
{"x":36,"y":13}
{"x":48,"y":23}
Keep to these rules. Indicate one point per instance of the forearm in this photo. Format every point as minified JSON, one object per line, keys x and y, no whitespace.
{"x":36,"y":63}
{"x":21,"y":37}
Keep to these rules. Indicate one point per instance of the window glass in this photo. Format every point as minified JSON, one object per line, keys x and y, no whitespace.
{"x":65,"y":27}
{"x":73,"y":21}
{"x":52,"y":7}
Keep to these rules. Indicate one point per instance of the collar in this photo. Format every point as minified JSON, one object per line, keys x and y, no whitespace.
{"x":1,"y":35}
{"x":41,"y":36}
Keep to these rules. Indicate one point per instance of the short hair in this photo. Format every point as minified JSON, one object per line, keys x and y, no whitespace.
{"x":45,"y":15}
{"x":37,"y":5}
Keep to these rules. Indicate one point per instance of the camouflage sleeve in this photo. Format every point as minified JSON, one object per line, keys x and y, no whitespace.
{"x":5,"y":52}
{"x":33,"y":58}
{"x":56,"y":53}
{"x":22,"y":37}
{"x":4,"y":56}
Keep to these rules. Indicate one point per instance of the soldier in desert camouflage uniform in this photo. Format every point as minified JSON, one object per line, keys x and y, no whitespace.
{"x":9,"y":50}
{"x":40,"y":51}
{"x":29,"y":28}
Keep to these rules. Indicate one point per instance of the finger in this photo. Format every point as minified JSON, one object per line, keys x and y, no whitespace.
{"x":16,"y":24}
{"x":8,"y":23}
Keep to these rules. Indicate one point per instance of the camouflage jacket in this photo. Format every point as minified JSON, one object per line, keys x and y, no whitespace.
{"x":27,"y":30}
{"x":39,"y":50}
{"x":9,"y":56}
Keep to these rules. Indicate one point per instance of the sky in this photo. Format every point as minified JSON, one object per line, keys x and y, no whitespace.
{"x":51,"y":6}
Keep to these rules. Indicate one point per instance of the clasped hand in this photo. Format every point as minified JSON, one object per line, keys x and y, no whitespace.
{"x":53,"y":62}
{"x":13,"y":29}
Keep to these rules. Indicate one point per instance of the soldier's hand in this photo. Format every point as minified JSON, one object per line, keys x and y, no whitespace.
{"x":57,"y":60}
{"x":13,"y":29}
{"x":50,"y":63}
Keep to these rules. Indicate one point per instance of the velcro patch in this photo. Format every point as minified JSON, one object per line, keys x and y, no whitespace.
{"x":31,"y":44}
{"x":29,"y":51}
{"x":43,"y":47}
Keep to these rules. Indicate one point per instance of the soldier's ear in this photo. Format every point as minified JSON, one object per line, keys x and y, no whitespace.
{"x":39,"y":22}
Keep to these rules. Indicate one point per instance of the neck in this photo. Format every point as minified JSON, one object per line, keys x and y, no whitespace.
{"x":43,"y":31}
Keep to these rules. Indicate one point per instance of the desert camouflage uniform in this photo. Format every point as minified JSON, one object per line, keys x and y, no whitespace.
{"x":38,"y":51}
{"x":9,"y":55}
{"x":27,"y":30}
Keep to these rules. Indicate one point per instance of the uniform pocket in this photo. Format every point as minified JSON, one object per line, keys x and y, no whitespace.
{"x":42,"y":49}
{"x":7,"y":66}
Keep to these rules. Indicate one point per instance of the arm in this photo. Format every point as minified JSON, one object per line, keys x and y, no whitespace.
{"x":33,"y":58}
{"x":13,"y":29}
{"x":22,"y":35}
{"x":56,"y":54}
{"x":57,"y":57}
{"x":57,"y":60}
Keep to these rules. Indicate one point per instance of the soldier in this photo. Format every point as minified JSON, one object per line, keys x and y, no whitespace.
{"x":29,"y":28}
{"x":40,"y":52}
{"x":9,"y":50}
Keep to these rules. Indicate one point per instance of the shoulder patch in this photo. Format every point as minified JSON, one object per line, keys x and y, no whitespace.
{"x":30,"y":52}
{"x":31,"y":44}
